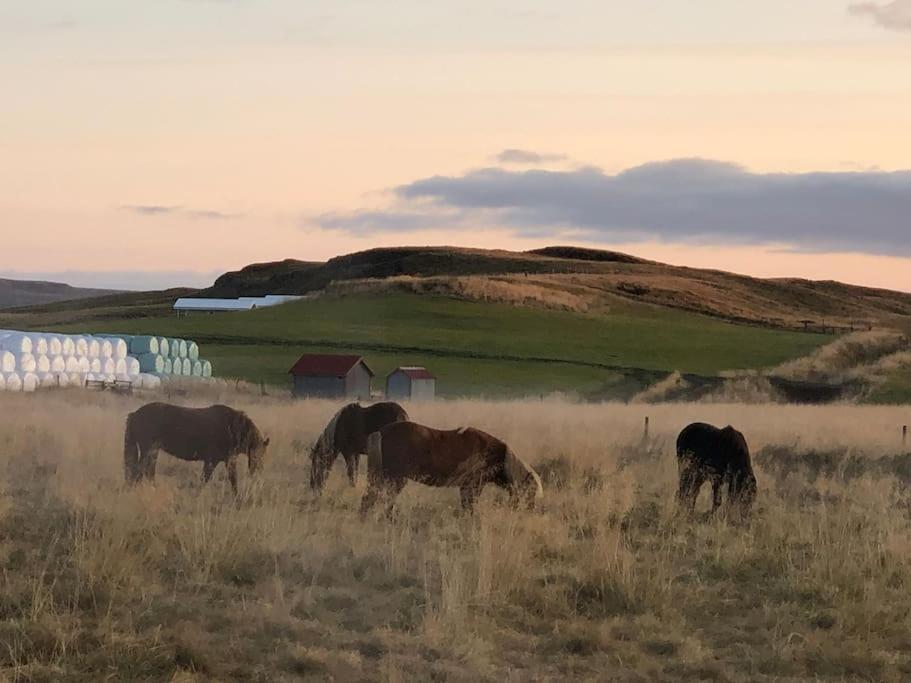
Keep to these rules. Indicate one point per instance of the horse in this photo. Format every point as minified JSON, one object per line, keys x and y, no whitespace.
{"x":213,"y":435}
{"x":707,"y":453}
{"x":467,"y":458}
{"x":347,"y":434}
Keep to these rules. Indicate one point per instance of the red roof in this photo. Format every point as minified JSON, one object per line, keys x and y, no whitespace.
{"x":326,"y":365}
{"x":415,"y":373}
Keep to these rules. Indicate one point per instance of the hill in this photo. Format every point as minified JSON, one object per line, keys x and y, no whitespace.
{"x":598,"y":278}
{"x":15,"y":293}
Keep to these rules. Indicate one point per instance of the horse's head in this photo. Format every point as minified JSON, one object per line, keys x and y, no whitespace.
{"x":320,"y":463}
{"x":256,"y":454}
{"x":524,"y":484}
{"x":743,"y":492}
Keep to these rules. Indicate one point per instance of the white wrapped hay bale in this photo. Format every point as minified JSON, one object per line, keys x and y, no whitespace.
{"x":94,"y":347}
{"x":187,"y":369}
{"x":81,"y":345}
{"x":26,"y":363}
{"x":164,"y":346}
{"x":141,"y":345}
{"x":16,"y":342}
{"x":7,"y":361}
{"x":67,"y":346}
{"x":42,"y":365}
{"x":133,"y":367}
{"x":30,"y":382}
{"x":40,"y":344}
{"x":48,"y":380}
{"x":184,"y":349}
{"x":148,"y":381}
{"x":151,"y":362}
{"x":168,"y":367}
{"x":71,"y":364}
{"x":120,"y":366}
{"x":54,"y":345}
{"x":2,"y":382}
{"x":206,"y":369}
{"x":58,"y":364}
{"x":177,"y":369}
{"x":108,"y":367}
{"x":120,"y":348}
{"x":13,"y":382}
{"x":85,"y":365}
{"x":106,"y":348}
{"x":192,"y":350}
{"x":95,"y":366}
{"x":197,"y":368}
{"x":175,"y":348}
{"x":77,"y":379}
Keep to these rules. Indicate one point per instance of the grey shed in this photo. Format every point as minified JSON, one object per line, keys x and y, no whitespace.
{"x":320,"y":375}
{"x":412,"y":383}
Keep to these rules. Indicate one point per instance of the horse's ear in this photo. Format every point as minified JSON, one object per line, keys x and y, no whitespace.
{"x":266,"y":441}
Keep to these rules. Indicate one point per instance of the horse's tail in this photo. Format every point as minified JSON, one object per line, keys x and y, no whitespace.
{"x":130,"y":452}
{"x":374,"y":457}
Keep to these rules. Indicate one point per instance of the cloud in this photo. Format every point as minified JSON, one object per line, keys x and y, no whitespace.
{"x":524,"y":156}
{"x":163,"y":210}
{"x":696,"y":201}
{"x":894,"y":15}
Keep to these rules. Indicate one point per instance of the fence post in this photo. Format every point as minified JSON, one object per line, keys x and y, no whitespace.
{"x":262,"y":387}
{"x":645,"y":430}
{"x":904,"y":435}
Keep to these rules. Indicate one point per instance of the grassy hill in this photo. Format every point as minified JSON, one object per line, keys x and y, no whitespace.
{"x":15,"y":293}
{"x":473,"y":347}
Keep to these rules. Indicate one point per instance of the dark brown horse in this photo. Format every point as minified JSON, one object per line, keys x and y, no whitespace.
{"x":467,"y":458}
{"x":347,"y":434}
{"x":707,"y":453}
{"x":213,"y":435}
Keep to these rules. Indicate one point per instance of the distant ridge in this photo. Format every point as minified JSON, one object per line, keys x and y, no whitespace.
{"x":14,"y":293}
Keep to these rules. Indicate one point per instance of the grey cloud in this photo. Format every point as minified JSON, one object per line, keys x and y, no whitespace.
{"x":894,"y":15}
{"x":162,"y":210}
{"x":684,"y":201}
{"x":524,"y":156}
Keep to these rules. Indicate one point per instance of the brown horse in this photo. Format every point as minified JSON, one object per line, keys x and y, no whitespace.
{"x":707,"y":453}
{"x":347,"y":434}
{"x":467,"y":458}
{"x":213,"y":435}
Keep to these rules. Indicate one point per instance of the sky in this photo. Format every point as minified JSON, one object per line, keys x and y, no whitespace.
{"x":152,"y":144}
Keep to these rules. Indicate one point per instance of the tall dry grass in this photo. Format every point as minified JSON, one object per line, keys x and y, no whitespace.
{"x":178,"y":582}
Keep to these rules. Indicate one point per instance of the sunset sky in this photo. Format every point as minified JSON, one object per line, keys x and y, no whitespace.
{"x":145,"y":144}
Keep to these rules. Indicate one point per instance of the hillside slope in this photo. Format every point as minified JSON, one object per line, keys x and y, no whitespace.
{"x":599,"y":277}
{"x":15,"y":293}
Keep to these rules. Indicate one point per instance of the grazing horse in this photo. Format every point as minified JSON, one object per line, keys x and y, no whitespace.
{"x":347,"y":434}
{"x":467,"y":458}
{"x":707,"y":453}
{"x":213,"y":435}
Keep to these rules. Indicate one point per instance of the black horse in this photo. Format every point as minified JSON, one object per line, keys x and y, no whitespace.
{"x":347,"y":434}
{"x":707,"y":453}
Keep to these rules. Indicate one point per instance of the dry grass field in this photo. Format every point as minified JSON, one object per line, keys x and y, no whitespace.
{"x":175,"y":582}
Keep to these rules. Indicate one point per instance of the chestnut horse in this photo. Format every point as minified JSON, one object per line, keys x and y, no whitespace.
{"x":467,"y":458}
{"x":347,"y":434}
{"x":707,"y":453}
{"x":213,"y":435}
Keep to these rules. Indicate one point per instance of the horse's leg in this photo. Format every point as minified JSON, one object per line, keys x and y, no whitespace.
{"x":231,"y":464}
{"x":147,"y":462}
{"x":688,"y":489}
{"x":208,"y":467}
{"x":716,"y":493}
{"x":351,"y":466}
{"x":392,"y":491}
{"x":369,"y":499}
{"x":469,"y":492}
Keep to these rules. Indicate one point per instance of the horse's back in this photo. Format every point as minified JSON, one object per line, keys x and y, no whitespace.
{"x":182,"y":432}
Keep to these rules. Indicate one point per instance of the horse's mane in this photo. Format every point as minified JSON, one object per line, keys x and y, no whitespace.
{"x":246,"y":435}
{"x":326,"y":441}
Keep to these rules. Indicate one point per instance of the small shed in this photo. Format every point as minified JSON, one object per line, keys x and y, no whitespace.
{"x":410,"y":382}
{"x":323,"y":375}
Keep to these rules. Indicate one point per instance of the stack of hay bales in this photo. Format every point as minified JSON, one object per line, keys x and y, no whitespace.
{"x":33,"y":360}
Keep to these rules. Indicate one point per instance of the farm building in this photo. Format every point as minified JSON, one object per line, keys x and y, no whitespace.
{"x":330,"y":376}
{"x":187,"y":305}
{"x":416,"y":384}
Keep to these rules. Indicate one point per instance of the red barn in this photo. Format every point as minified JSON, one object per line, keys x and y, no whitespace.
{"x":324,"y":375}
